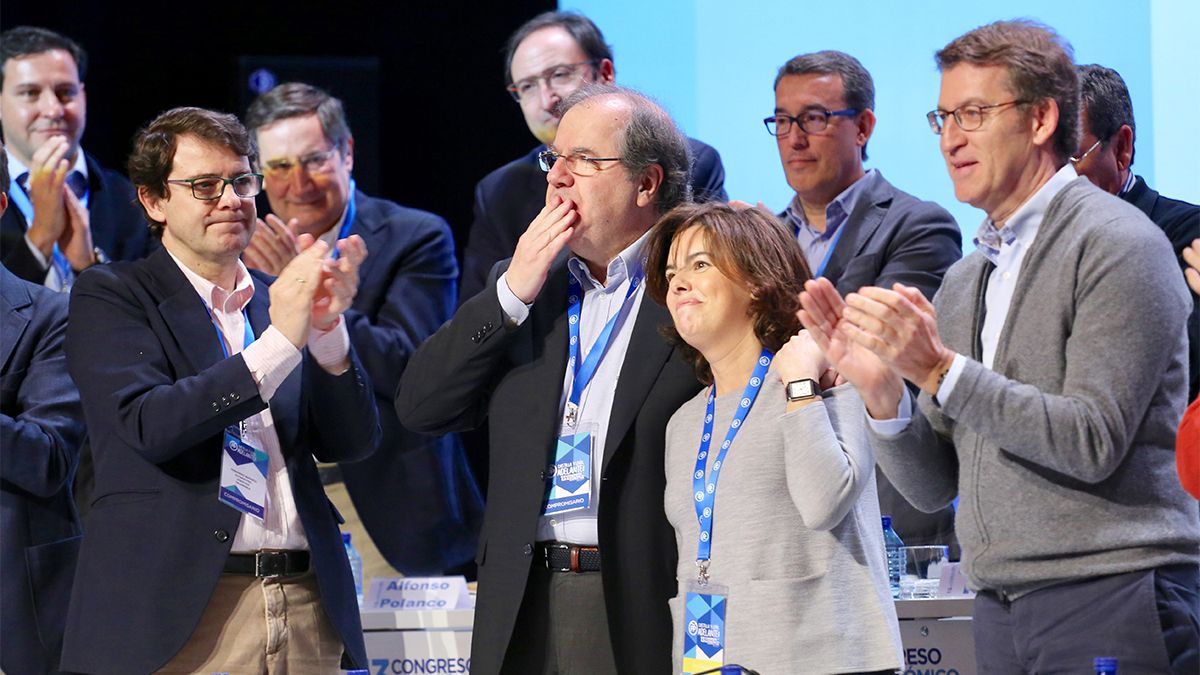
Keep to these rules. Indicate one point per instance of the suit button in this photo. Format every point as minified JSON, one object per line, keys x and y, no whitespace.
{"x":221,"y":536}
{"x":235,"y":396}
{"x":542,"y":476}
{"x":216,"y":406}
{"x":528,"y":550}
{"x":487,"y":326}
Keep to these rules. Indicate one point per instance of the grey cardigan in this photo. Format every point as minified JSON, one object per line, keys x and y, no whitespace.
{"x":796,"y":534}
{"x":1063,"y":454}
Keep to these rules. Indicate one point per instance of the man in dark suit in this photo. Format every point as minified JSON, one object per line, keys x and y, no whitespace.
{"x":854,"y":227}
{"x":574,"y":590}
{"x":41,"y":429}
{"x":207,"y":395}
{"x":71,"y":212}
{"x":416,"y":496}
{"x":1105,"y":157}
{"x":547,"y":59}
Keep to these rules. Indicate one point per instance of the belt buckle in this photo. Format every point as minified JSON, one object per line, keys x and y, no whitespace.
{"x":270,"y":564}
{"x":561,"y":547}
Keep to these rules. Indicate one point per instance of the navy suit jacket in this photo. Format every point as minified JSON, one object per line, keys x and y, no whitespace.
{"x":1180,"y":221}
{"x":478,"y":368}
{"x":416,"y":495}
{"x":157,"y":395}
{"x":509,"y":198}
{"x":41,"y":429}
{"x":119,"y":227}
{"x":894,"y":237}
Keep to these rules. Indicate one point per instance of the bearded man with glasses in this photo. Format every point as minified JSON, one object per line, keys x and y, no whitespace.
{"x":548,"y":58}
{"x":208,"y":390}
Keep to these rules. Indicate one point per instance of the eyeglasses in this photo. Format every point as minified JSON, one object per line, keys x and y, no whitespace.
{"x":313,"y":162}
{"x":811,"y":121}
{"x":967,"y":117}
{"x":580,"y":165}
{"x":208,"y":188}
{"x":1077,"y":160}
{"x":557,"y":78}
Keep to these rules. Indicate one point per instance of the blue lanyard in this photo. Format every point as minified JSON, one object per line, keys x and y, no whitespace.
{"x":21,"y":199}
{"x":247,"y":338}
{"x":705,"y":493}
{"x":829,"y":253}
{"x":347,"y":222}
{"x":583,"y":373}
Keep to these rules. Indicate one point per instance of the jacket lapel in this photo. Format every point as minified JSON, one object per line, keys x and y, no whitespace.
{"x":370,"y":229}
{"x":184,"y":313}
{"x":14,"y":314}
{"x":647,"y":354}
{"x":859,"y":227}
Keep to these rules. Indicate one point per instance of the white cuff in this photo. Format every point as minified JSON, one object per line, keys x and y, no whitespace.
{"x":896,"y":425}
{"x":946,"y":388}
{"x":270,"y":358}
{"x":515,"y":310}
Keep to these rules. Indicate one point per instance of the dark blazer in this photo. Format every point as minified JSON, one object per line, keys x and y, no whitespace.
{"x":118,"y":225}
{"x":416,"y":495}
{"x":41,"y":429}
{"x":894,"y":237}
{"x":157,"y":395}
{"x":1180,"y":221}
{"x":477,"y":367}
{"x":509,"y":198}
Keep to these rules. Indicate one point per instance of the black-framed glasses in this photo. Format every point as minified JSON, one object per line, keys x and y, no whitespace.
{"x":557,"y":78}
{"x":208,"y":188}
{"x":967,"y":117}
{"x":580,"y":165}
{"x":810,"y":121}
{"x":1077,"y":160}
{"x":313,"y":162}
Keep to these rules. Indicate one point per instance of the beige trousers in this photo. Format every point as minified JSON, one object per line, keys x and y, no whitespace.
{"x":257,"y":626}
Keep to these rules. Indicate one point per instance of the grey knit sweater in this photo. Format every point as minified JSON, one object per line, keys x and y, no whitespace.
{"x":1063,"y":455}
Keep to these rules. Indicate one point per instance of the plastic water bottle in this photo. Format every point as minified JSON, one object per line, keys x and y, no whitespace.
{"x":895,"y":557}
{"x":1105,"y":665}
{"x":356,"y":567}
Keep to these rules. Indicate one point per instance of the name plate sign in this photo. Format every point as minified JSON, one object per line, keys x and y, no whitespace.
{"x":419,"y":593}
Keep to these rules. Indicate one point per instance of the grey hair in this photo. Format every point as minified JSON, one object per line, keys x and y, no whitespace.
{"x":650,"y":137}
{"x":1105,"y":98}
{"x":297,"y":99}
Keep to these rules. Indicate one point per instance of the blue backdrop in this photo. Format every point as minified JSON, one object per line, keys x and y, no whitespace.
{"x":712,"y":64}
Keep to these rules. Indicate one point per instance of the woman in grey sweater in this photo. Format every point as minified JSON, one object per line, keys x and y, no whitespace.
{"x":770,"y":479}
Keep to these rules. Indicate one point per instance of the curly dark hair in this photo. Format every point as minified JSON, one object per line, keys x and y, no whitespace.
{"x":751,"y":247}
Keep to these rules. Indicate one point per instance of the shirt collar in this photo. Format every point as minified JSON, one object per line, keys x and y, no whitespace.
{"x":213,"y":295}
{"x":628,"y":263}
{"x":16,"y":167}
{"x":838,"y":211}
{"x":1129,"y":181}
{"x":1025,"y":221}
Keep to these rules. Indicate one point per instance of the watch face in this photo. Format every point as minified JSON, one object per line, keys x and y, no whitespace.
{"x":800,"y":389}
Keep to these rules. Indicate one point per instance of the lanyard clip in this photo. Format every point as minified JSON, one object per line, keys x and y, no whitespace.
{"x":702,"y":572}
{"x":571,"y":415}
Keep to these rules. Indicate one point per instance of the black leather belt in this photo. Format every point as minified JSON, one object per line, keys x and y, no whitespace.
{"x":268,"y":564}
{"x":562,"y":557}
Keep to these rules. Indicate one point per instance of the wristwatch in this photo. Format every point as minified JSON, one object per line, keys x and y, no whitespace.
{"x":799,"y":390}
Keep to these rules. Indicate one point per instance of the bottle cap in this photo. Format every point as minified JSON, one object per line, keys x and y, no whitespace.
{"x":887,"y":522}
{"x":345,"y":538}
{"x":1106,"y":664}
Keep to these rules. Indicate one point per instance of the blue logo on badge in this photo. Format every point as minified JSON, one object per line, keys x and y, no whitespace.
{"x":261,"y":81}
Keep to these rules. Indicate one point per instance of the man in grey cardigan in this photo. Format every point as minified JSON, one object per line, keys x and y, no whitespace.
{"x":1053,"y":371}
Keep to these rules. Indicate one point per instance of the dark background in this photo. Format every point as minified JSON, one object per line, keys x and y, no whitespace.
{"x":444,"y":119}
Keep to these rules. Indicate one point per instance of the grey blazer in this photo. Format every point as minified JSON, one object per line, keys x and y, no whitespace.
{"x":796,"y":534}
{"x":1062,"y":454}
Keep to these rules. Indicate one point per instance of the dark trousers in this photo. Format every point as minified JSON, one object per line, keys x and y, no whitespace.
{"x":1149,"y":620}
{"x":562,"y":628}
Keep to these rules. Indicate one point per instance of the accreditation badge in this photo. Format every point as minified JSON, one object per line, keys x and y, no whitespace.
{"x":243,"y":475}
{"x":569,"y":475}
{"x":704,"y":627}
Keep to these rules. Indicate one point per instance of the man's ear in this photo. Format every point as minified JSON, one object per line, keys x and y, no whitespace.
{"x":349,"y":158}
{"x":1044,"y":119}
{"x":606,"y":73}
{"x":866,"y":126}
{"x":152,"y":203}
{"x":1123,"y":147}
{"x":648,"y":185}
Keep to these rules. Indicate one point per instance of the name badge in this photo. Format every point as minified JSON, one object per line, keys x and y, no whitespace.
{"x":243,"y":475}
{"x":569,"y":477}
{"x":704,"y":630}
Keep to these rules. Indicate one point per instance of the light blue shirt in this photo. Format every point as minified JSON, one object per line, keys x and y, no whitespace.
{"x":814,"y":244}
{"x":600,"y":303}
{"x":1005,"y":247}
